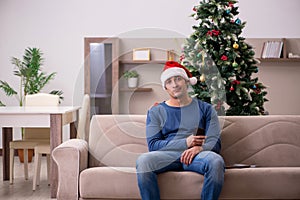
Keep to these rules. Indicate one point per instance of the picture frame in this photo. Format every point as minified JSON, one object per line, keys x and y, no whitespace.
{"x":141,"y":54}
{"x":171,"y":55}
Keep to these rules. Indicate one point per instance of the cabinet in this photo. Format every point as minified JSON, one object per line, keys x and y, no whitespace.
{"x":100,"y":67}
{"x":120,"y":99}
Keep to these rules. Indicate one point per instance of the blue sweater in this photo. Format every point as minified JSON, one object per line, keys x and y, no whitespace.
{"x":168,"y":127}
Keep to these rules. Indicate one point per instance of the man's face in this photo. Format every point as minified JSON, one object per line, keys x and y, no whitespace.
{"x":176,"y":86}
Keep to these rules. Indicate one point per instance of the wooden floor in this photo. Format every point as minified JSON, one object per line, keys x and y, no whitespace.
{"x":22,"y":189}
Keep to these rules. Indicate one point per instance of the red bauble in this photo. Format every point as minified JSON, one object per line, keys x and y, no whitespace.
{"x":181,"y":57}
{"x":236,"y":82}
{"x":215,"y":32}
{"x":224,"y":58}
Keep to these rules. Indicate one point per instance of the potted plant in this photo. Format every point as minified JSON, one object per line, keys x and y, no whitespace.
{"x":132,"y":78}
{"x":32,"y":78}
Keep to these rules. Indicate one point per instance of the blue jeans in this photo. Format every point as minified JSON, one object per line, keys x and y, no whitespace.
{"x":207,"y":163}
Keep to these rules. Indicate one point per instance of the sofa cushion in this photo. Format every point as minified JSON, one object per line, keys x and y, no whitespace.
{"x":108,"y":182}
{"x":121,"y":183}
{"x":116,"y":140}
{"x":270,"y":141}
{"x":262,"y":183}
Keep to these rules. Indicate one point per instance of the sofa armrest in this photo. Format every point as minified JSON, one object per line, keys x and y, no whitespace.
{"x":71,"y":158}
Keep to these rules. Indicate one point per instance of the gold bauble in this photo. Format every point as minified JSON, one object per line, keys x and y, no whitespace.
{"x":235,"y":45}
{"x":202,"y":78}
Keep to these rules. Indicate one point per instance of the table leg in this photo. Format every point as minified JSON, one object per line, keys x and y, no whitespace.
{"x":56,"y":126}
{"x":6,"y":138}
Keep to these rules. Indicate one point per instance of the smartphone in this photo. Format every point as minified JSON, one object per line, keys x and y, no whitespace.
{"x":200,"y":131}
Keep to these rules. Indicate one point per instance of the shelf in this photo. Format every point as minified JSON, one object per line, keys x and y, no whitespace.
{"x":142,"y":62}
{"x":100,"y":96}
{"x":279,"y":59}
{"x":136,"y":89}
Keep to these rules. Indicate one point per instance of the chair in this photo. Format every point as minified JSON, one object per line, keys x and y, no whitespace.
{"x":82,"y":132}
{"x":32,"y":136}
{"x":39,"y":150}
{"x":45,"y":148}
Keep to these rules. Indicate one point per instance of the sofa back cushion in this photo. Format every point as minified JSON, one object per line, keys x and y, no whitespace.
{"x":274,"y":140}
{"x":116,"y":140}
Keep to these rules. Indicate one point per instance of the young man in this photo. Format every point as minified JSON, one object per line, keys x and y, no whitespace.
{"x":172,"y":138}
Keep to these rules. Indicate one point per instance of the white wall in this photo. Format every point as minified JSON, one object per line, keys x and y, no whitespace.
{"x":58,"y":28}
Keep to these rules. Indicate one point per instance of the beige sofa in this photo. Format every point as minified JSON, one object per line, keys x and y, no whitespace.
{"x":104,"y":167}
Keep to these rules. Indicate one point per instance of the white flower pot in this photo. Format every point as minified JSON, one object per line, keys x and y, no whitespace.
{"x":132,"y":82}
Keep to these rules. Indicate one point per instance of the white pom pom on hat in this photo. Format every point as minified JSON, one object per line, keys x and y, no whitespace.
{"x":173,"y":68}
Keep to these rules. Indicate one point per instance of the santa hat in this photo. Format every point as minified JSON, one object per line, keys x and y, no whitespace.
{"x":173,"y":68}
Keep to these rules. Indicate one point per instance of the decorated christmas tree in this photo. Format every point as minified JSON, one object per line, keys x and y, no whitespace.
{"x":223,"y":61}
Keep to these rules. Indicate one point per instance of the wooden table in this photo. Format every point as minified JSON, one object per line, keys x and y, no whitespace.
{"x":53,"y":117}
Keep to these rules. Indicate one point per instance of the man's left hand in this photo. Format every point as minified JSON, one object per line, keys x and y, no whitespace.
{"x":188,"y":155}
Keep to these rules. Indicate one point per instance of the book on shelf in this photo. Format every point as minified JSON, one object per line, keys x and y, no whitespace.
{"x":272,"y":49}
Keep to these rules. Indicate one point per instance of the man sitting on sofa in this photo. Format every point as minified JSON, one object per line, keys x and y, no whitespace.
{"x":183,"y":133}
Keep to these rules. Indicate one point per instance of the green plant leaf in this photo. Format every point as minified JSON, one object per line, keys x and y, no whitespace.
{"x":130,"y":74}
{"x":2,"y":104}
{"x":59,"y":93}
{"x":9,"y":91}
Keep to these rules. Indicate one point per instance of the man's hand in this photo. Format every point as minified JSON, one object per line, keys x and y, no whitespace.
{"x":193,"y":140}
{"x":188,"y":155}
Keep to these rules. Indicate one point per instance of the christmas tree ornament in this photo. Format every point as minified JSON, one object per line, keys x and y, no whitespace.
{"x":238,"y":21}
{"x":224,"y":58}
{"x":202,"y":78}
{"x":235,"y":45}
{"x":231,"y":88}
{"x":209,"y":33}
{"x":181,"y":57}
{"x":234,"y":64}
{"x":215,"y":32}
{"x":244,"y":46}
